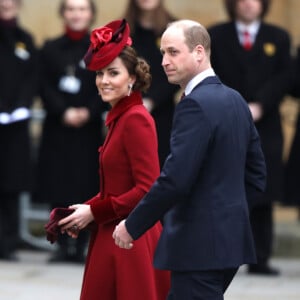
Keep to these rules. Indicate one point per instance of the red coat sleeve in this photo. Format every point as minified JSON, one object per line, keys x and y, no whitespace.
{"x":93,"y":199}
{"x":140,"y":141}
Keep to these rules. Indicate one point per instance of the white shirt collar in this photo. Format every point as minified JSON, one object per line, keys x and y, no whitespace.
{"x":197,"y":79}
{"x":252,"y":28}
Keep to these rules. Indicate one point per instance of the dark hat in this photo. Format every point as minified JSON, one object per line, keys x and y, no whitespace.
{"x":107,"y":42}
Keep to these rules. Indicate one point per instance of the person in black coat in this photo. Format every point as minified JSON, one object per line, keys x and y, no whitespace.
{"x":291,"y":196}
{"x":72,"y":131}
{"x":147,"y":21}
{"x":18,"y":78}
{"x":253,"y":57}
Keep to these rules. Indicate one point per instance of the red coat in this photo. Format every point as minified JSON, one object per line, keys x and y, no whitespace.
{"x":128,"y":167}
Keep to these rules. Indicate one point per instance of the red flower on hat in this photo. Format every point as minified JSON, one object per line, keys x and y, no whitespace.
{"x":101,"y":36}
{"x":106,"y":44}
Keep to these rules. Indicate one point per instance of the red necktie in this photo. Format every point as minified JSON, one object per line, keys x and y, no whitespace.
{"x":247,"y":43}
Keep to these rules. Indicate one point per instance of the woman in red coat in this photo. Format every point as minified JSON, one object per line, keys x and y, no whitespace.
{"x":128,"y":167}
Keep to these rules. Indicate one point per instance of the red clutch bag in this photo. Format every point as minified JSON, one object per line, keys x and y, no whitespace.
{"x":52,"y":228}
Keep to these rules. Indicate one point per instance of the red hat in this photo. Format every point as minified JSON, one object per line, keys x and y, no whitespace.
{"x":107,"y":42}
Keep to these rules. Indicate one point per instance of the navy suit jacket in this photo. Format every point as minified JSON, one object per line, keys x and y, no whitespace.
{"x":215,"y":160}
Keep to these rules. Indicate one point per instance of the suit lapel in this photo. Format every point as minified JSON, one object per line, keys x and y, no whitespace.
{"x":240,"y":55}
{"x":233,"y":39}
{"x":258,"y":40}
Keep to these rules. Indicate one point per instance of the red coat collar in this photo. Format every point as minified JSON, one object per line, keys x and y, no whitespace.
{"x":123,"y":105}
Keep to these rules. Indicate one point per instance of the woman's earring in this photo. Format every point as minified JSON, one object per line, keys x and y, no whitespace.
{"x":130,"y":85}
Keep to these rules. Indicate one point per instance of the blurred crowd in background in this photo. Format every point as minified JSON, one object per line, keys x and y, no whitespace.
{"x":58,"y":164}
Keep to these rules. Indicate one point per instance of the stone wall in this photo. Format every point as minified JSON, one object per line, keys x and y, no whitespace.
{"x":41,"y":17}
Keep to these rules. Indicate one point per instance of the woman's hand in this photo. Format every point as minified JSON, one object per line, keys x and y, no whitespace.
{"x":78,"y":220}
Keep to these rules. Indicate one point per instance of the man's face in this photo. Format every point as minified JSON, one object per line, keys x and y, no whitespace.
{"x":179,"y":63}
{"x":248,"y":11}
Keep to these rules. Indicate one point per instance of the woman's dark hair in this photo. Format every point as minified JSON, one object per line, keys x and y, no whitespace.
{"x":230,"y":6}
{"x":138,"y":67}
{"x":62,"y":7}
{"x":162,"y":16}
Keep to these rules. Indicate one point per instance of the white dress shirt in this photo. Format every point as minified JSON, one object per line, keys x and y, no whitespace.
{"x":252,"y":29}
{"x":197,"y":79}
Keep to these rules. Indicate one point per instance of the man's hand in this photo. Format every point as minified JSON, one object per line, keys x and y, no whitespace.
{"x":122,"y":237}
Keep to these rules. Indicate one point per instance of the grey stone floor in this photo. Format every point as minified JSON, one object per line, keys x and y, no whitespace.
{"x":33,"y":279}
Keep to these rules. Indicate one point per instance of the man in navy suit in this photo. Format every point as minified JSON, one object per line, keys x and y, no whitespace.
{"x":253,"y":57}
{"x":215,"y":162}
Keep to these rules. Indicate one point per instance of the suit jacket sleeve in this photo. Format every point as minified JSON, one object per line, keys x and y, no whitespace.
{"x":189,"y":145}
{"x":255,"y":174}
{"x":140,"y":141}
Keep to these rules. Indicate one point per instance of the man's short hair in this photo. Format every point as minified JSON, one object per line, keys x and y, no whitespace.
{"x":194,"y":33}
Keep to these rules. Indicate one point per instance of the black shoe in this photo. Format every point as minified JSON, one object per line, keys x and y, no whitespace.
{"x":263,"y":270}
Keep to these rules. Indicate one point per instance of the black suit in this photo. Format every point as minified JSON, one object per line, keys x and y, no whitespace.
{"x":260,"y":75}
{"x":201,"y":192}
{"x":18,"y":86}
{"x":291,"y":188}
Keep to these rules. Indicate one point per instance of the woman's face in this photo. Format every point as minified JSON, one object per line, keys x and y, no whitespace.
{"x":113,"y":81}
{"x":148,"y":5}
{"x":9,"y":9}
{"x":77,"y":14}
